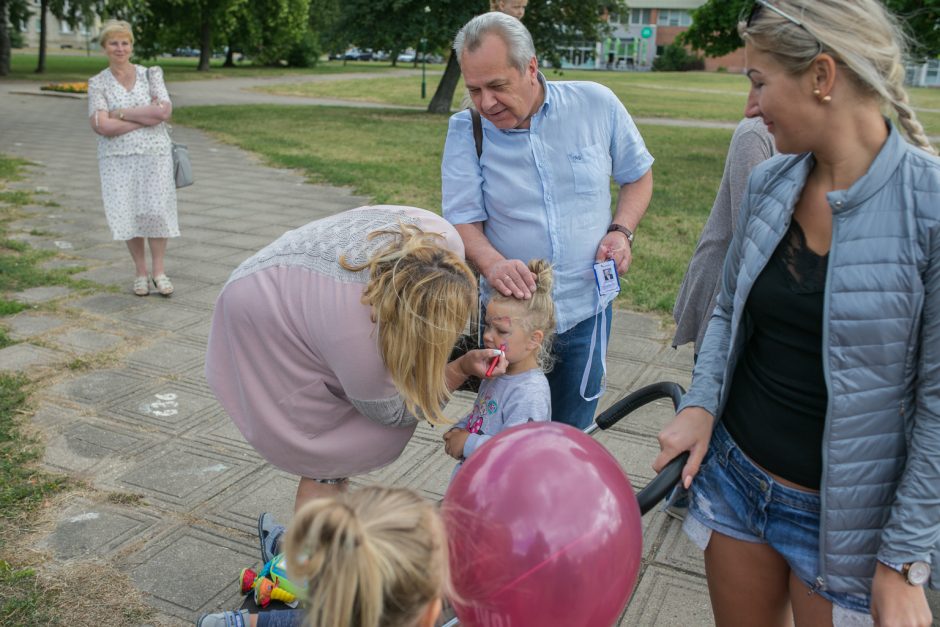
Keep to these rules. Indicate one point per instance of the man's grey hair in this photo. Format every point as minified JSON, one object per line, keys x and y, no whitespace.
{"x":509,"y":29}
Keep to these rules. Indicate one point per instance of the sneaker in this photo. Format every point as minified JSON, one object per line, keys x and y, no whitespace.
{"x":236,"y":618}
{"x":269,"y":536}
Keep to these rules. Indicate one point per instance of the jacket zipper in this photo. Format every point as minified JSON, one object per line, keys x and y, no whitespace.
{"x":823,"y":563}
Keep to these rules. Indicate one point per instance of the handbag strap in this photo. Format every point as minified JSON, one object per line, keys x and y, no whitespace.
{"x":166,"y":125}
{"x":477,"y":130}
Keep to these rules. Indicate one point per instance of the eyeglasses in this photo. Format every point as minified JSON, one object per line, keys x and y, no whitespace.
{"x":758,"y":4}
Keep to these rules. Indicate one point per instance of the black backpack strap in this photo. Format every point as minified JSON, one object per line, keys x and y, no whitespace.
{"x":477,"y":130}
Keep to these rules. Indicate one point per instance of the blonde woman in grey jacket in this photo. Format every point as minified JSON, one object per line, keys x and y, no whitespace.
{"x":813,"y":420}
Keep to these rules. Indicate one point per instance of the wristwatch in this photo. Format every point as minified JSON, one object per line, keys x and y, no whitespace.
{"x":621,"y":229}
{"x":916,"y":573}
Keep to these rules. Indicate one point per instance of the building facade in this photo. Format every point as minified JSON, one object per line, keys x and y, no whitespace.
{"x":924,"y":74}
{"x":640,"y":35}
{"x":59,"y":35}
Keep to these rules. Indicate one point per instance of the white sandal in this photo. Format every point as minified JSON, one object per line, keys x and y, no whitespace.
{"x":141,"y":286}
{"x":163,"y":285}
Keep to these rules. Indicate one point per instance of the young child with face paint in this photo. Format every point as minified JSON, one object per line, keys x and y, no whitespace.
{"x":523,"y":330}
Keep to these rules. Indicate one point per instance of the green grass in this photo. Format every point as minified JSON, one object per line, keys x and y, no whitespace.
{"x":23,"y":487}
{"x":685,"y":95}
{"x":394,"y":157}
{"x":74,"y":67}
{"x":19,"y":262}
{"x":399,"y":91}
{"x":391,"y":156}
{"x":22,"y":598}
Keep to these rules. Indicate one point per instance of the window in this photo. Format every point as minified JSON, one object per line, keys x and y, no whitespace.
{"x":64,"y":27}
{"x":613,"y":18}
{"x":673,"y":17}
{"x":640,"y":16}
{"x":933,"y":71}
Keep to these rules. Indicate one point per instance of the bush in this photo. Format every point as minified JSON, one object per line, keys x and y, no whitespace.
{"x":676,"y":58}
{"x":16,"y":39}
{"x":306,"y":52}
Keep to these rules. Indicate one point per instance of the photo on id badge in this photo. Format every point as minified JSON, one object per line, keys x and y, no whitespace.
{"x":605,"y":273}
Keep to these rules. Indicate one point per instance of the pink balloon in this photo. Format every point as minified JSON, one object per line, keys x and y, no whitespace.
{"x":544,"y":529}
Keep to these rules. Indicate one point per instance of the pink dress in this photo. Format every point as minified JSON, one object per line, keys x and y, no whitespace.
{"x":293,"y":353}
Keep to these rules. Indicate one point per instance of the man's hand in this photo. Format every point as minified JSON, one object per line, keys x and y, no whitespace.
{"x":896,"y":602}
{"x":615,"y":246}
{"x":511,"y":277}
{"x":454,"y":441}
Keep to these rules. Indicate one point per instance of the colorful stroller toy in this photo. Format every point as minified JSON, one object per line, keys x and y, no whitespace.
{"x":271,"y":584}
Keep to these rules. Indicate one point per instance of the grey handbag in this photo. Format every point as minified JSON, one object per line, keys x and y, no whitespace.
{"x":182,"y":168}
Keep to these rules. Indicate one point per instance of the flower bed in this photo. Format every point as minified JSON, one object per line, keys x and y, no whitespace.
{"x":69,"y":88}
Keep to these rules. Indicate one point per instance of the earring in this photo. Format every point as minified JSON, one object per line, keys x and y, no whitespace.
{"x":827,"y":99}
{"x":824,"y":99}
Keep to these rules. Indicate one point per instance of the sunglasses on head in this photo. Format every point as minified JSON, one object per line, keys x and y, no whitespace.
{"x":763,"y":4}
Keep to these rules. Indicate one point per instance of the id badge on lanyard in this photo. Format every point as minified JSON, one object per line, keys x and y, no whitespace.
{"x":605,"y":276}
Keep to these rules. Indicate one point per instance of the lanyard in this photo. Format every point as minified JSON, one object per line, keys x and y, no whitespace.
{"x":602,"y":310}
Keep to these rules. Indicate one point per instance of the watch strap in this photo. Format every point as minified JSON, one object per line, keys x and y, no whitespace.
{"x":621,"y":229}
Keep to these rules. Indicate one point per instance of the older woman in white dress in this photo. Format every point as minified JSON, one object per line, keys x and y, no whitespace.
{"x":127,"y":107}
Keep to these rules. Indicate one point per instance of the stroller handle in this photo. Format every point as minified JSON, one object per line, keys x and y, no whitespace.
{"x":657,"y":489}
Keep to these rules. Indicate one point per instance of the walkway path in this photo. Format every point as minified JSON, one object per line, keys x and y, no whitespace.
{"x":141,"y":421}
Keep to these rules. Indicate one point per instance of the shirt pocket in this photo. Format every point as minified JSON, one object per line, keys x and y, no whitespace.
{"x":590,"y":168}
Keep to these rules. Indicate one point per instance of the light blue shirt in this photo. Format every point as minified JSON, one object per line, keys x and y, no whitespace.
{"x":544,"y":192}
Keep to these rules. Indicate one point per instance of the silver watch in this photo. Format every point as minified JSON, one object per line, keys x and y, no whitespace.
{"x":916,"y":573}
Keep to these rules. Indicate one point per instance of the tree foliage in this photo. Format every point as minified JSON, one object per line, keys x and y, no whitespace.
{"x":163,"y":25}
{"x":714,"y":25}
{"x":269,"y":30}
{"x":554,"y":24}
{"x":14,"y":14}
{"x":391,"y":25}
{"x":921,"y":19}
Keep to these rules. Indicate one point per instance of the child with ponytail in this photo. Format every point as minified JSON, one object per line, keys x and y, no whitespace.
{"x":374,"y":557}
{"x":523,"y":330}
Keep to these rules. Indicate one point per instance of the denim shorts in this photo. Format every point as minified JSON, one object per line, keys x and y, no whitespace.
{"x":733,"y":496}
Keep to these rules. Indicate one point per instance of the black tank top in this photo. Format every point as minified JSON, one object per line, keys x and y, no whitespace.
{"x":776,"y":409}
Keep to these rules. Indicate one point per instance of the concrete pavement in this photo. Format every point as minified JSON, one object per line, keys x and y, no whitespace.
{"x":139,"y":420}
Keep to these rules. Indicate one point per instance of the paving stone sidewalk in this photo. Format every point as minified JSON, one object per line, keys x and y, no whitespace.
{"x":141,"y":421}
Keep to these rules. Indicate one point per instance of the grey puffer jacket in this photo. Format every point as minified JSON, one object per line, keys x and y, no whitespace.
{"x":881,"y":353}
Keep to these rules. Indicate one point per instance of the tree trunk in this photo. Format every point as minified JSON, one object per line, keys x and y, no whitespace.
{"x":205,"y":44}
{"x":43,"y":11}
{"x":444,"y":94}
{"x":230,"y":56}
{"x":4,"y":39}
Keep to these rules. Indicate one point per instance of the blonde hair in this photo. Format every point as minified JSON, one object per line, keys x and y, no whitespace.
{"x":421,"y":295}
{"x":375,"y":557}
{"x":115,"y":27}
{"x":539,"y":310}
{"x":861,"y":35}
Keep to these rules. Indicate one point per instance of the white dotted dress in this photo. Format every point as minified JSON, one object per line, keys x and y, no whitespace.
{"x":137,"y":183}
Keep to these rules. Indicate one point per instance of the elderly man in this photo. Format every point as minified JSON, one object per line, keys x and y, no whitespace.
{"x":540,"y":188}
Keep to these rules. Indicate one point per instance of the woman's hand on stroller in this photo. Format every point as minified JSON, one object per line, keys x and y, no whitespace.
{"x":690,"y":430}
